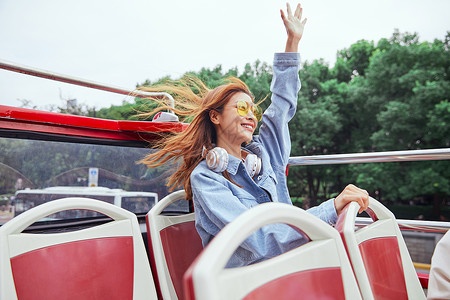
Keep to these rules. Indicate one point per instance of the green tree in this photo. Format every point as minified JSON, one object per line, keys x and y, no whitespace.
{"x":406,"y":90}
{"x":353,"y":61}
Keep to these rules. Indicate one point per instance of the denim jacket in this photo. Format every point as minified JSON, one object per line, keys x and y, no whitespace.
{"x":217,"y":201}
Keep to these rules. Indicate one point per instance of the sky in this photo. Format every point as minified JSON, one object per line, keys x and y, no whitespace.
{"x":123,"y":43}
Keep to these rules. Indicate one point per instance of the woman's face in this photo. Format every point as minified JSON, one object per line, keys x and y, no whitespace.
{"x":232,"y":128}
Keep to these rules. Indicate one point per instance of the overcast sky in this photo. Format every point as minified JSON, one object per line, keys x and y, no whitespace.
{"x":123,"y":43}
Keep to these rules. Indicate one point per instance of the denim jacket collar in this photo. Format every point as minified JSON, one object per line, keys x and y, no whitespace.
{"x":254,"y":148}
{"x":234,"y":162}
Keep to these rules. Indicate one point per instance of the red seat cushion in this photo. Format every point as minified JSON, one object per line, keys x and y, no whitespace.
{"x":89,"y":269}
{"x":181,"y":244}
{"x":323,"y":283}
{"x":383,"y":263}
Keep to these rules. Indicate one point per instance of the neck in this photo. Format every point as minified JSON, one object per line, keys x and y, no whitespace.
{"x":234,"y":150}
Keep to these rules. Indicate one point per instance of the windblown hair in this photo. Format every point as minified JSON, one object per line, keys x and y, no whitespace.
{"x":183,"y":150}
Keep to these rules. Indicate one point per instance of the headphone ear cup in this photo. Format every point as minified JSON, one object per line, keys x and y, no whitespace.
{"x":217,"y":159}
{"x":252,"y":165}
{"x":258,"y":166}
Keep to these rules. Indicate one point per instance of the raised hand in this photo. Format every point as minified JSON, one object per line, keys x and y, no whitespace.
{"x":294,"y":26}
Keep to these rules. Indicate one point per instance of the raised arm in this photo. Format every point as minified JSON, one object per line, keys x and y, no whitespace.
{"x":274,"y":131}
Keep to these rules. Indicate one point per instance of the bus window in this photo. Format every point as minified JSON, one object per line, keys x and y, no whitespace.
{"x":23,"y":202}
{"x":72,"y":214}
{"x":180,"y":206}
{"x":109,"y":199}
{"x":138,"y":204}
{"x":27,"y":164}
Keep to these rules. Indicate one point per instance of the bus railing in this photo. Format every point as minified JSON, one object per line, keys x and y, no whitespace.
{"x":14,"y":67}
{"x":413,"y":225}
{"x":371,"y":157}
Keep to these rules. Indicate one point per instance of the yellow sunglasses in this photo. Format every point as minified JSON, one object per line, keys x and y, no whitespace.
{"x":243,"y":107}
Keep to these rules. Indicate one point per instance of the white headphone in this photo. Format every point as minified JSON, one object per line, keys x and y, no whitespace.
{"x":217,"y":160}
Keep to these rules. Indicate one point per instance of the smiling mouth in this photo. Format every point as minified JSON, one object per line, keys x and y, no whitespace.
{"x":247,"y":126}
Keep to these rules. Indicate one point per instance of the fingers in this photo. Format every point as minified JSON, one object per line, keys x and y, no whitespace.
{"x":366,"y":203}
{"x":355,"y":189}
{"x":288,"y":8}
{"x":362,"y":202}
{"x":352,"y":193}
{"x":283,"y":17}
{"x":298,"y":11}
{"x":362,"y":196}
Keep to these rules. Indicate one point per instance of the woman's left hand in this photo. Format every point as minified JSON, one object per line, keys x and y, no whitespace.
{"x":349,"y":194}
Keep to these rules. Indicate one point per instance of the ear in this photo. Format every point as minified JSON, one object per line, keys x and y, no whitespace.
{"x":214,"y":116}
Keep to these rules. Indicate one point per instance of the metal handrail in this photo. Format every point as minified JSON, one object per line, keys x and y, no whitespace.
{"x":14,"y":67}
{"x":371,"y":157}
{"x":414,"y":225}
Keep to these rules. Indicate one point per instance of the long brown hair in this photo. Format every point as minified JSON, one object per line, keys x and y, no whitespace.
{"x":184,"y":149}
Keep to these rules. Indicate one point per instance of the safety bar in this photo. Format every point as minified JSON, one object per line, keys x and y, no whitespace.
{"x":414,"y":225}
{"x":10,"y":66}
{"x":358,"y":158}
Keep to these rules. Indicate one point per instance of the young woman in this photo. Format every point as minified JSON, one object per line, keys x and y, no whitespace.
{"x":226,"y":170}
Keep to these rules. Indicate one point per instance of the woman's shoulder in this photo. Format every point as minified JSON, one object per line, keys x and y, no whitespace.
{"x":202,"y":170}
{"x":202,"y":176}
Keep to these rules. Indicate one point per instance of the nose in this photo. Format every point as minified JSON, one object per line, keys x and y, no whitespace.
{"x":251,"y":116}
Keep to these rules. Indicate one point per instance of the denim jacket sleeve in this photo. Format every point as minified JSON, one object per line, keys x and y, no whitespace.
{"x":274,"y":130}
{"x":325,"y":211}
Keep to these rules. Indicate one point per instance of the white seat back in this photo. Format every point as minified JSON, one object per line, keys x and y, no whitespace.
{"x":317,"y":269}
{"x":378,"y":253}
{"x":107,"y":261}
{"x":173,"y":244}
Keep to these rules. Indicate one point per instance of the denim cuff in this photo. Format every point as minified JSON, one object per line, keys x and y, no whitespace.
{"x":330,"y":209}
{"x":287,"y":58}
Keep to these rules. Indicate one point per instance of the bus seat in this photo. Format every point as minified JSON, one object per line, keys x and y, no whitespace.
{"x":318,"y":269}
{"x":173,"y":244}
{"x":106,"y":261}
{"x":378,"y":254}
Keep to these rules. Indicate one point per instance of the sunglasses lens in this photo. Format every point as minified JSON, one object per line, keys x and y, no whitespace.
{"x":242,"y":108}
{"x":257,"y":111}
